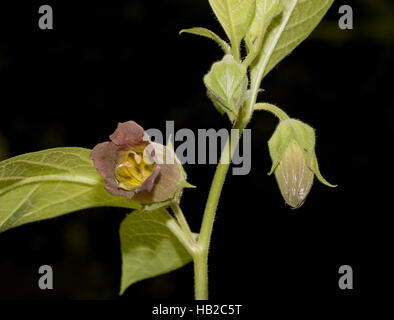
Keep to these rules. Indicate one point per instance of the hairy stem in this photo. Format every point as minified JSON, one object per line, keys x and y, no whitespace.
{"x":176,"y":230}
{"x":182,"y":221}
{"x":243,"y":118}
{"x":273,"y":109}
{"x":201,"y":275}
{"x":201,"y":257}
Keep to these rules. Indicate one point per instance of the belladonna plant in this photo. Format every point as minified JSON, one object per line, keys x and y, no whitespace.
{"x":132,"y":172}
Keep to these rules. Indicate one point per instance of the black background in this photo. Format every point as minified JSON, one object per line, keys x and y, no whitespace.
{"x":106,"y":62}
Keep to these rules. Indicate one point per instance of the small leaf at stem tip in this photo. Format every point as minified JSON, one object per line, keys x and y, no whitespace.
{"x":148,"y":247}
{"x":210,"y":35}
{"x":235,"y":16}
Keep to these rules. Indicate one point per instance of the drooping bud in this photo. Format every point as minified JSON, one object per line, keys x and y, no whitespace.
{"x":227,"y":83}
{"x":292,"y":150}
{"x":294,"y":176}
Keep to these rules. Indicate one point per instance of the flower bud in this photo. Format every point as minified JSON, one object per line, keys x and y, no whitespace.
{"x":136,"y":168}
{"x":294,"y":163}
{"x":294,"y":176}
{"x":227,"y":83}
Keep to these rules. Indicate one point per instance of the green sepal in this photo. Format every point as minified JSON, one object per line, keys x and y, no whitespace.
{"x":157,"y":205}
{"x":227,"y":84}
{"x":286,"y":131}
{"x":305,"y":136}
{"x":176,"y":198}
{"x":278,"y":143}
{"x":188,"y":185}
{"x":219,"y":106}
{"x":315,"y":169}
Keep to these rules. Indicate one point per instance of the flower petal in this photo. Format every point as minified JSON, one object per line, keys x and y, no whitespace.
{"x":128,"y":135}
{"x":104,"y":156}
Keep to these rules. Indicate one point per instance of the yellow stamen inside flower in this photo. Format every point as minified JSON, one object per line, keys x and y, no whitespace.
{"x":131,"y":170}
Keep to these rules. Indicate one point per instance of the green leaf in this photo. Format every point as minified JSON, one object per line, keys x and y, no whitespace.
{"x":287,"y":31}
{"x":235,"y":16}
{"x":148,"y":247}
{"x":209,"y":34}
{"x":46,"y":184}
{"x":266,"y":10}
{"x":227,"y":84}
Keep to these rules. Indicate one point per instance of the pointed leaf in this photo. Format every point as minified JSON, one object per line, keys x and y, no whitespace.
{"x":288,"y":30}
{"x":148,"y":247}
{"x":266,"y":10}
{"x":235,"y":17}
{"x":209,"y":34}
{"x":50,"y":183}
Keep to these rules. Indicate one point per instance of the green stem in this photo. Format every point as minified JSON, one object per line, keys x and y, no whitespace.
{"x":255,"y":49}
{"x":201,"y":256}
{"x":201,"y":275}
{"x":182,"y":221}
{"x":236,"y":53}
{"x":273,"y":109}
